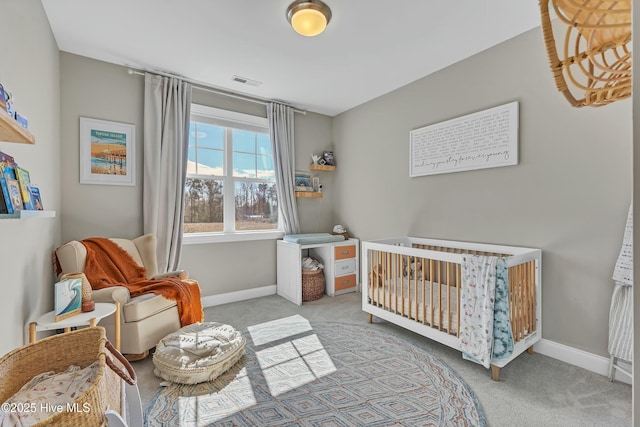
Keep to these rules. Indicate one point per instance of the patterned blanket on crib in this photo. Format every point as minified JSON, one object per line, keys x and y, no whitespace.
{"x":485,"y":328}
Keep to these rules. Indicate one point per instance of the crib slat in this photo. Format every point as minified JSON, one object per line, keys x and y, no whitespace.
{"x":431,"y":290}
{"x":376,"y":286}
{"x":424,"y":295}
{"x":374,"y":256}
{"x":382,"y":295}
{"x":392,"y":295}
{"x":519,"y":301}
{"x":458,"y":288}
{"x":415,"y":288}
{"x":439,"y":295}
{"x":532,"y":285}
{"x":531,"y":299}
{"x":403,"y":309}
{"x":448,"y":298}
{"x":526,"y":308}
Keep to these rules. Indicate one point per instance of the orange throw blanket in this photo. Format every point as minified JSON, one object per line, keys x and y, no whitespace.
{"x":109,"y":265}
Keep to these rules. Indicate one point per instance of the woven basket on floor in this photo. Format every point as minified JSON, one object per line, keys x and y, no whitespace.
{"x":57,"y":353}
{"x":312,"y":285}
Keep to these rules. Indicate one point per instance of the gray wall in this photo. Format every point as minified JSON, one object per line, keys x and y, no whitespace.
{"x":29,"y":68}
{"x":104,"y":91}
{"x":568,"y":195}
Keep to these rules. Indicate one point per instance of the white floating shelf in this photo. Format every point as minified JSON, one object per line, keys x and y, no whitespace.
{"x":29,"y":214}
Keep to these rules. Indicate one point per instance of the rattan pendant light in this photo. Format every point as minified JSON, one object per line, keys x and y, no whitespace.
{"x":594,"y":42}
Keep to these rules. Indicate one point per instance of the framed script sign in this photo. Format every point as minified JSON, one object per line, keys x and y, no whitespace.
{"x":486,"y":139}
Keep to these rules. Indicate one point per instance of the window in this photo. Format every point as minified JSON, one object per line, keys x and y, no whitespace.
{"x":230,"y":189}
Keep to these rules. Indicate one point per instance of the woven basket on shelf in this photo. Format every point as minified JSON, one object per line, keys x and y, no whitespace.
{"x":312,"y":285}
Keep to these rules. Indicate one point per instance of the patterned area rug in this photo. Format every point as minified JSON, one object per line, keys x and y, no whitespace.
{"x":325,"y":374}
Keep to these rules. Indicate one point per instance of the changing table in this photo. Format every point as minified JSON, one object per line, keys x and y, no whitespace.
{"x":338,"y":256}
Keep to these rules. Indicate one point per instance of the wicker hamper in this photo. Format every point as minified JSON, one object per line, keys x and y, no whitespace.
{"x":312,"y":284}
{"x":57,"y":353}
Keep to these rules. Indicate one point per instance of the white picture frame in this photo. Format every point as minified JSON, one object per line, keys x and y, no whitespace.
{"x":485,"y":139}
{"x":107,"y":152}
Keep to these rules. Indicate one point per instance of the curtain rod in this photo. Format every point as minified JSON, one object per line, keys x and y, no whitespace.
{"x":205,"y":88}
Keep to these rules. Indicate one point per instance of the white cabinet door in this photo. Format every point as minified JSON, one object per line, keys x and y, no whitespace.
{"x":289,"y":274}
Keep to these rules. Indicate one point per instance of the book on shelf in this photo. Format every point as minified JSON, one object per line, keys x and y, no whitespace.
{"x":14,"y":193}
{"x":7,"y":165}
{"x":6,"y":197}
{"x":22,"y":175}
{"x":303,"y":188}
{"x":36,"y":198}
{"x":3,"y":203}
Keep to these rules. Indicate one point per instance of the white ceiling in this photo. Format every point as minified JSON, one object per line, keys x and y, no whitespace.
{"x":370,"y":47}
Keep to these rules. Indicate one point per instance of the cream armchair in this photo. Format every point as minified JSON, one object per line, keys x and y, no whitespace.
{"x":145,"y":319}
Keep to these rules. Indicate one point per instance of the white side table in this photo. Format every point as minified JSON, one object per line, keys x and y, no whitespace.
{"x":47,"y":322}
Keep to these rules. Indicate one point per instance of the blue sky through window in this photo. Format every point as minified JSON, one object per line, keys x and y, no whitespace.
{"x":251,"y":152}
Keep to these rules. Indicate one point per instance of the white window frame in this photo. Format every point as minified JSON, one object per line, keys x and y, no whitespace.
{"x":241,"y":120}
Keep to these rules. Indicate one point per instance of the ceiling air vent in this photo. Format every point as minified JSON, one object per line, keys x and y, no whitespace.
{"x":246,"y":81}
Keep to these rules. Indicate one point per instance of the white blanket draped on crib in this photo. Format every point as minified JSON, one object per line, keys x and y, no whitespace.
{"x":477,"y":299}
{"x":620,"y":313}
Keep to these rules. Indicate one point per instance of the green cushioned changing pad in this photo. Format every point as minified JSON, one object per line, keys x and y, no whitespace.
{"x":313,"y":238}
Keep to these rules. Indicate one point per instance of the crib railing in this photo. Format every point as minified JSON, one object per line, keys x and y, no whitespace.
{"x":425,"y":285}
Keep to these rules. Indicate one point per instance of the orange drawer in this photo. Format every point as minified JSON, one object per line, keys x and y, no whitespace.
{"x":345,"y":282}
{"x":342,"y":252}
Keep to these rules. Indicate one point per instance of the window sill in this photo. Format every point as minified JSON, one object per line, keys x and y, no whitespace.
{"x":204,"y":238}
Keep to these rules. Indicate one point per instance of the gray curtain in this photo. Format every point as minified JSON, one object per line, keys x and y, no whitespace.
{"x":281,"y":132}
{"x":167,"y":109}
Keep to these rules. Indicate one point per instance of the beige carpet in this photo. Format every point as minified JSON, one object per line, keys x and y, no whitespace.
{"x":534,"y":390}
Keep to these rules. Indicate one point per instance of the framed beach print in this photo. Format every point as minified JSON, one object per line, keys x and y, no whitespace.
{"x":107,"y":152}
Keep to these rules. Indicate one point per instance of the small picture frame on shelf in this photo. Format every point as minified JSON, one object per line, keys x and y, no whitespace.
{"x":328,"y":158}
{"x":316,"y":183}
{"x":303,"y":182}
{"x":68,"y":298}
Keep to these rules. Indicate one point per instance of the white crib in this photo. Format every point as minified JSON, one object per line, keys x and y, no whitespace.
{"x":415,"y":282}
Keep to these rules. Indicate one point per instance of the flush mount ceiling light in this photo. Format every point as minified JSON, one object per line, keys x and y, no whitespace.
{"x":308,"y":18}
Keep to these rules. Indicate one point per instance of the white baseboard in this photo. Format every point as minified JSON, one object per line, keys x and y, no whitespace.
{"x":573,"y":356}
{"x":212,"y":300}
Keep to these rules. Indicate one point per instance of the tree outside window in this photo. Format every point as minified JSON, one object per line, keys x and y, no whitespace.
{"x":230,"y":184}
